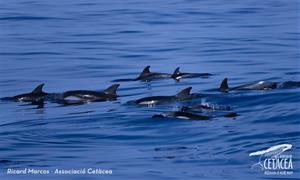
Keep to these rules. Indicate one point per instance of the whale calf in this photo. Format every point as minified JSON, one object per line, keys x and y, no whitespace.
{"x":185,"y":94}
{"x":84,"y":96}
{"x":262,"y":85}
{"x":37,"y":95}
{"x":177,"y":75}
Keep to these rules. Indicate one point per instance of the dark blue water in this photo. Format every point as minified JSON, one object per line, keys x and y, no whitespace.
{"x":86,"y":44}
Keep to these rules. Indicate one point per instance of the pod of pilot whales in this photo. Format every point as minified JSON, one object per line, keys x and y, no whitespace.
{"x":194,"y":112}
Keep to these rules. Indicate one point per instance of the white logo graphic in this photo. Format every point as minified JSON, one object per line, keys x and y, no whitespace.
{"x":272,"y":160}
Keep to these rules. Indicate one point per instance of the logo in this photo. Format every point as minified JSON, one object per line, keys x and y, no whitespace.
{"x":274,"y":160}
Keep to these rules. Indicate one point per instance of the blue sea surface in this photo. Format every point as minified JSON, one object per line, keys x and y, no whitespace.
{"x":81,"y":44}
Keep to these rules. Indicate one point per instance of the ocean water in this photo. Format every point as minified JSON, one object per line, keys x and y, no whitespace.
{"x":71,"y":45}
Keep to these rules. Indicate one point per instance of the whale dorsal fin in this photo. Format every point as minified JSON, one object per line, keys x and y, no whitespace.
{"x":145,"y":72}
{"x":224,"y":85}
{"x":176,"y":72}
{"x":38,"y":89}
{"x":184,"y":93}
{"x":112,"y":89}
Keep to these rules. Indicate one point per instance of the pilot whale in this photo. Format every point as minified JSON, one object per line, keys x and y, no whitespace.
{"x":262,"y":85}
{"x":185,"y":94}
{"x":190,"y":115}
{"x":37,"y":95}
{"x":147,"y":76}
{"x":177,"y":75}
{"x":82,"y":96}
{"x":206,"y":107}
{"x":181,"y":115}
